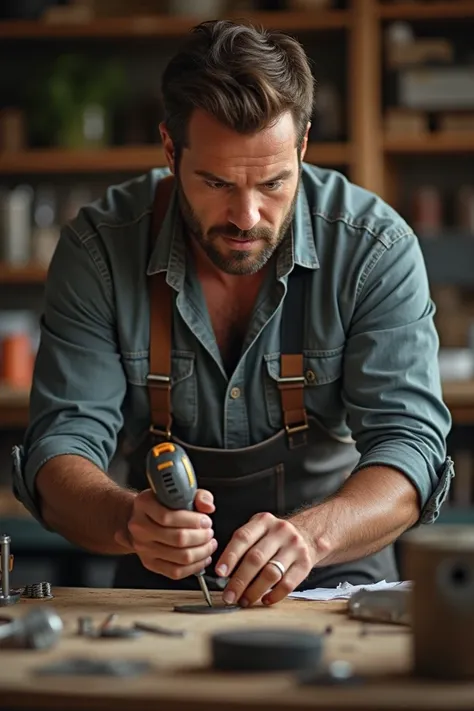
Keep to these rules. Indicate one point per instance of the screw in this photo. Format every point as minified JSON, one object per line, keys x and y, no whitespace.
{"x":108,"y":622}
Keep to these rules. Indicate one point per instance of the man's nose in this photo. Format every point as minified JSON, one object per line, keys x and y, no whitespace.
{"x":244,"y":211}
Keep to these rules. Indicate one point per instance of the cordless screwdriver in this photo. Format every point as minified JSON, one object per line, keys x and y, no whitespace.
{"x":172,"y":480}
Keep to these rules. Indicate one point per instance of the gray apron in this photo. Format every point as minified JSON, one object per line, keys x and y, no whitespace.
{"x":299,"y":466}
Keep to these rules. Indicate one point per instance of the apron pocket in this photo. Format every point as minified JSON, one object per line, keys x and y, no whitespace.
{"x":237,"y":499}
{"x":322,"y":372}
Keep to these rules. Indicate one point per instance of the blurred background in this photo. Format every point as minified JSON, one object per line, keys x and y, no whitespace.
{"x":80,"y":108}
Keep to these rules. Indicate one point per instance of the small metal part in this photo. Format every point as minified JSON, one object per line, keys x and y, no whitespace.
{"x":108,"y":622}
{"x":204,"y":588}
{"x":80,"y":666}
{"x":381,"y":606}
{"x":38,"y":591}
{"x":84,"y":626}
{"x":119,"y":633}
{"x":328,"y":629}
{"x":340,"y":669}
{"x":336,"y":673}
{"x":8,"y":596}
{"x":157,"y":629}
{"x":39,"y":629}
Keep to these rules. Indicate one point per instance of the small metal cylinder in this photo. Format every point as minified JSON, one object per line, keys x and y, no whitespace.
{"x":440,"y":562}
{"x":5,"y":558}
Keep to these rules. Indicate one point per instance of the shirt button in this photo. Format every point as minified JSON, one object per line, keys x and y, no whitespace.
{"x":235,"y":393}
{"x":310,"y":376}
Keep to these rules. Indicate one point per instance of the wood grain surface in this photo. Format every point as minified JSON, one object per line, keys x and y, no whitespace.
{"x":181,"y":677}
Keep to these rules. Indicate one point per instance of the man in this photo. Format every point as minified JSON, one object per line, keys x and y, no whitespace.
{"x":303,"y":377}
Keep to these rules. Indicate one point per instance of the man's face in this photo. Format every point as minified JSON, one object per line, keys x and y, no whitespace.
{"x":237,"y":192}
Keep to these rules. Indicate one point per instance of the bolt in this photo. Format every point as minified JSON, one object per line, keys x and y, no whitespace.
{"x":5,"y":564}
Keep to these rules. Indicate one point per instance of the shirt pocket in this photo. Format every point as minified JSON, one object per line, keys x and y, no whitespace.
{"x":322,"y":373}
{"x":184,"y":395}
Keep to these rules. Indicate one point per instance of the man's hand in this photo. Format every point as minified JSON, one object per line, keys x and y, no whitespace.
{"x":173,"y":543}
{"x":252,"y":547}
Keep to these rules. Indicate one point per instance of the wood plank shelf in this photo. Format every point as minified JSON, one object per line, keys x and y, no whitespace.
{"x":14,"y":407}
{"x":28,"y":274}
{"x":449,"y":9}
{"x":168,"y":25}
{"x":129,"y":158}
{"x":432,"y":143}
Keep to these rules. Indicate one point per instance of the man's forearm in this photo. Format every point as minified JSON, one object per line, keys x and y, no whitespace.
{"x":373,"y":508}
{"x":83,"y":504}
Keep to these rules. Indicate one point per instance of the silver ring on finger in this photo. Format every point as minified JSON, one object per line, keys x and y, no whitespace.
{"x":278,"y":565}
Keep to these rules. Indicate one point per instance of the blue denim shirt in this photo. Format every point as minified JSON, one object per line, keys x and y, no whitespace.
{"x":370,"y":345}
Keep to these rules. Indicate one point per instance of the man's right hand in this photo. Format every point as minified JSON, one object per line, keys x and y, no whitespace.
{"x":173,"y":543}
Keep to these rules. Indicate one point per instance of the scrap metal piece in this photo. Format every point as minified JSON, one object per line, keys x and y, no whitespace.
{"x":108,"y":621}
{"x":381,"y":606}
{"x":157,"y":629}
{"x":119,"y":633}
{"x":81,"y":666}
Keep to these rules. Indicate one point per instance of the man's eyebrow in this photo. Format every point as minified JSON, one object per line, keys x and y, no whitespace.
{"x":283,"y":175}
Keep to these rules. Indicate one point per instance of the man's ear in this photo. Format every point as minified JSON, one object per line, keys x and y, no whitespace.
{"x":168,"y":146}
{"x":304,"y":144}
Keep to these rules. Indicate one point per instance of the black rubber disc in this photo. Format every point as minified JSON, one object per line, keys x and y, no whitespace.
{"x":205,"y":609}
{"x":266,"y":650}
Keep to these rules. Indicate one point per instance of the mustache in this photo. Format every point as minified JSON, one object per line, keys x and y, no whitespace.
{"x":253,"y":235}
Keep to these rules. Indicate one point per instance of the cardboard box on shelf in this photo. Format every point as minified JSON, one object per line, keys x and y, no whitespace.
{"x":405,"y":122}
{"x":454,"y":121}
{"x":418,"y":52}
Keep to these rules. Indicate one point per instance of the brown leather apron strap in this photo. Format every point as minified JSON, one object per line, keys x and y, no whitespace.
{"x":161,"y":307}
{"x":291,"y":385}
{"x":292,"y":381}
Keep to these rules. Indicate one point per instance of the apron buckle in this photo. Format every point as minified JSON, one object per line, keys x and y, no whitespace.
{"x":166,"y":432}
{"x":293,"y":429}
{"x":160,"y":393}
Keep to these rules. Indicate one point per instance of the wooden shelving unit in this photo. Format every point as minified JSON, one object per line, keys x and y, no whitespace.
{"x":433,"y":143}
{"x":449,"y":9}
{"x":129,"y":158}
{"x":368,"y":155}
{"x":169,"y":26}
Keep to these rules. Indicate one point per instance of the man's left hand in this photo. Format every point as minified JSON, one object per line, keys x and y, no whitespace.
{"x":252,"y":548}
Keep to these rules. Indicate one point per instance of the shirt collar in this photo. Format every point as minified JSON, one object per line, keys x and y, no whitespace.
{"x":168,"y":253}
{"x":299,"y":247}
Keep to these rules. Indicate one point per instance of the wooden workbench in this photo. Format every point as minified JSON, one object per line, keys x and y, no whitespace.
{"x":182,"y":679}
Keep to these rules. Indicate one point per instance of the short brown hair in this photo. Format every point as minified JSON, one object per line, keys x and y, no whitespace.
{"x":244,"y":76}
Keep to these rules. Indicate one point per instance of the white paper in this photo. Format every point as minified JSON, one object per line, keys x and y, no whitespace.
{"x":345,"y":590}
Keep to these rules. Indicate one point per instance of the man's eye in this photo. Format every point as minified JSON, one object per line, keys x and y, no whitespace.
{"x":273,"y":185}
{"x":215,"y":184}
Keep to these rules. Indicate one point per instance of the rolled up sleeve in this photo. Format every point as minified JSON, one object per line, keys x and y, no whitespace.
{"x":391,"y":381}
{"x":78,"y":383}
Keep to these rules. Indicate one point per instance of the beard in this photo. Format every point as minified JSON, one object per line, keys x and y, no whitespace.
{"x":237,"y":262}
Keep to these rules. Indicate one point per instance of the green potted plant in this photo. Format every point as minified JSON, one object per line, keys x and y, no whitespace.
{"x":76,"y":100}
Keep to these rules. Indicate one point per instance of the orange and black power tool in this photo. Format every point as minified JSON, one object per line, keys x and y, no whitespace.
{"x":172,"y":479}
